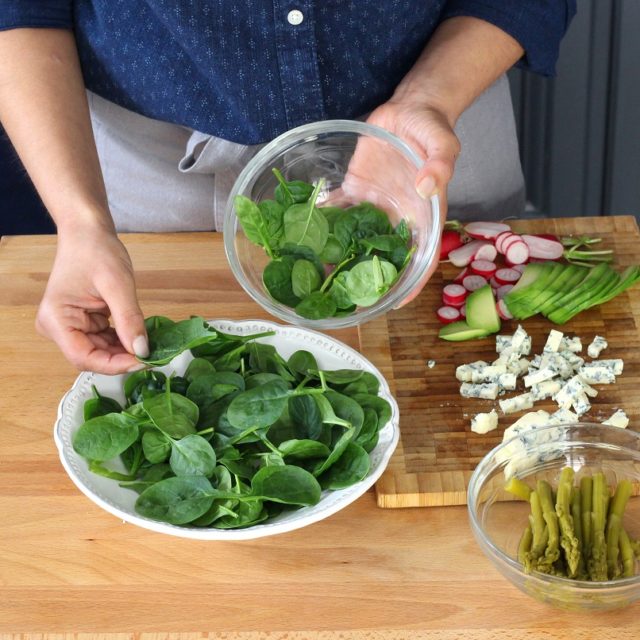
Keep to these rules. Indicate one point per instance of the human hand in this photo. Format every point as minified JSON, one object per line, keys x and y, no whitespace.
{"x":91,"y":281}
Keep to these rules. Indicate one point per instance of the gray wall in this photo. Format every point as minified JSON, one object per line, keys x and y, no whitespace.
{"x":580,"y":132}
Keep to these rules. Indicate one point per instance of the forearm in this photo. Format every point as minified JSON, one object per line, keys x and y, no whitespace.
{"x":43,"y":108}
{"x":463,"y":58}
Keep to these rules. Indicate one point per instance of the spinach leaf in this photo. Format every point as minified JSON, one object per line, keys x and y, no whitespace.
{"x":257,"y":229}
{"x":100,"y":405}
{"x":351,"y":467}
{"x":305,"y":225}
{"x":259,"y":407}
{"x":338,"y":291}
{"x":291,"y":192}
{"x":305,"y":416}
{"x":338,"y":449}
{"x":302,"y":363}
{"x":368,"y":281}
{"x":105,"y":437}
{"x":198,"y":367}
{"x":176,"y":500}
{"x":287,"y":484}
{"x":304,"y":278}
{"x":172,"y":413}
{"x":272,"y":213}
{"x":334,"y":251}
{"x":156,"y":446}
{"x":316,"y":306}
{"x":302,"y":449}
{"x":277,"y":280}
{"x":166,"y":341}
{"x":192,"y":456}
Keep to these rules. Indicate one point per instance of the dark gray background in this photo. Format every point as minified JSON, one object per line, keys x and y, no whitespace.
{"x":579,"y":132}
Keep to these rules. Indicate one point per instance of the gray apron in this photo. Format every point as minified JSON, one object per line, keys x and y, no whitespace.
{"x":165,"y":177}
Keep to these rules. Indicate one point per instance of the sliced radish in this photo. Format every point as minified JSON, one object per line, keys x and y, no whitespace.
{"x":448,"y":314}
{"x":488,"y":252}
{"x":463,"y":255}
{"x":517,"y":252}
{"x":507,"y":242}
{"x":485,"y":230}
{"x":471,"y":283}
{"x":503,"y":310}
{"x":519,"y":267}
{"x":463,"y":312}
{"x":502,"y":291}
{"x":494,"y":283}
{"x":484,"y":268}
{"x":507,"y":276}
{"x":453,"y":295}
{"x":461,"y":276}
{"x":450,"y":240}
{"x":544,"y":248}
{"x":500,"y":238}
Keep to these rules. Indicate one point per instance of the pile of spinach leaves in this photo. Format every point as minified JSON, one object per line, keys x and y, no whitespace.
{"x":324,"y":261}
{"x":241,"y":436}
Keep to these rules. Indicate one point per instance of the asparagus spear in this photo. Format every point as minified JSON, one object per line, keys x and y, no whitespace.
{"x":598,"y":561}
{"x":586,"y":489}
{"x":525,"y":545}
{"x":576,"y":514}
{"x":627,"y":555}
{"x":538,"y":529}
{"x":614,"y":525}
{"x":568,"y":539}
{"x":518,"y":488}
{"x":552,"y":552}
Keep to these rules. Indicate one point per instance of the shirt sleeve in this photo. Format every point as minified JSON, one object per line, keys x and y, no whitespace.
{"x":538,"y":25}
{"x":36,"y":13}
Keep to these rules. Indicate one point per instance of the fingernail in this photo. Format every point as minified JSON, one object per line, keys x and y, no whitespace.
{"x":141,"y":346}
{"x":137,"y":367}
{"x":427,"y":187}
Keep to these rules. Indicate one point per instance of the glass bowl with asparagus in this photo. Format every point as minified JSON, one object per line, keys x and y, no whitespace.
{"x":556,"y":510}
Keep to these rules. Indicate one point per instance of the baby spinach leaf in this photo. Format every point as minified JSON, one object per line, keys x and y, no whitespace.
{"x":368,"y":281}
{"x":254,"y":224}
{"x":272,"y":213}
{"x":351,"y":467}
{"x":291,"y":192}
{"x":173,"y":414}
{"x":276,"y":278}
{"x":333,"y":251}
{"x":288,"y":484}
{"x":99,"y":469}
{"x":336,"y":452}
{"x":259,"y":407}
{"x":316,"y":306}
{"x":300,"y":252}
{"x":258,"y":379}
{"x":198,"y":367}
{"x":331,"y":214}
{"x":338,"y":291}
{"x":386,"y":243}
{"x":402,"y":229}
{"x":302,"y":449}
{"x":305,"y":416}
{"x":342,"y":376}
{"x":100,"y":405}
{"x":378,"y":404}
{"x":105,"y":437}
{"x":192,"y":456}
{"x":303,"y":363}
{"x":369,"y":430}
{"x":245,"y":514}
{"x":156,"y":446}
{"x":347,"y":409}
{"x":176,"y":500}
{"x":304,"y":278}
{"x":305,"y":225}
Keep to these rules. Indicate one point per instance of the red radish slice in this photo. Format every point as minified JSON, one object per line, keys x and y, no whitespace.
{"x":447,"y":314}
{"x":461,"y":276}
{"x":463,"y":312}
{"x":507,"y":276}
{"x":500,"y":238}
{"x":544,"y":248}
{"x":453,"y":295}
{"x":463,"y":255}
{"x":503,"y":310}
{"x":484,"y":268}
{"x":450,"y":240}
{"x":514,"y":237}
{"x":471,"y":283}
{"x":485,"y":230}
{"x":519,"y":267}
{"x":494,"y":283}
{"x":502,"y":291}
{"x":517,"y":253}
{"x":488,"y":252}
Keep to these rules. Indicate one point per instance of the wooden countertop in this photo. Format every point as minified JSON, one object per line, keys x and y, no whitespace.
{"x":66,"y":566}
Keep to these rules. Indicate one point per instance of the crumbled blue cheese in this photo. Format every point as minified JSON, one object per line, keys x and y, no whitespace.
{"x":553,"y":341}
{"x":431,"y":364}
{"x":569,"y":393}
{"x":615,"y":364}
{"x":596,"y":375}
{"x":563,"y":416}
{"x":490,"y":373}
{"x":488,"y":391}
{"x":598,"y":345}
{"x":517,"y":403}
{"x":618,"y":419}
{"x":545,"y":389}
{"x":507,"y":381}
{"x":527,"y":421}
{"x":574,"y":360}
{"x":571,"y":344}
{"x":519,"y":343}
{"x":581,"y":404}
{"x":539,"y":376}
{"x":484,"y":422}
{"x":464,"y":371}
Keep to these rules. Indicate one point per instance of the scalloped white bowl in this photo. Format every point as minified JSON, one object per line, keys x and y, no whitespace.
{"x":330,"y":354}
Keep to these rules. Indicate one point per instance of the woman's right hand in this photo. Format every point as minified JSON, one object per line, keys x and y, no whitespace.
{"x":91,"y":282}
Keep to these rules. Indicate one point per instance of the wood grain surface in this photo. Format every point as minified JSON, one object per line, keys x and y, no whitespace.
{"x":71,"y":571}
{"x":438,"y":451}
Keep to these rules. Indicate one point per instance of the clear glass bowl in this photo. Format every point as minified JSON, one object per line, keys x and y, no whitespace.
{"x":358,"y":162}
{"x":497,"y":520}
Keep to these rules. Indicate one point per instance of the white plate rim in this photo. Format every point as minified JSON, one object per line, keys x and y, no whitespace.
{"x":389,"y":437}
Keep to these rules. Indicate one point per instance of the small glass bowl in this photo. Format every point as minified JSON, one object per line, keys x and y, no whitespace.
{"x":326,"y":150}
{"x":498,"y":521}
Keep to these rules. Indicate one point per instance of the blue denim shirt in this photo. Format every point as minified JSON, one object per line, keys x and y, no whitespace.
{"x":247,"y":70}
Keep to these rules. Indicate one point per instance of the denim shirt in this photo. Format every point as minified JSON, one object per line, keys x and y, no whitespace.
{"x":247,"y":70}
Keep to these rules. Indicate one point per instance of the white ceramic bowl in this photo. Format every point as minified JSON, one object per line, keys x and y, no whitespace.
{"x":330,"y":354}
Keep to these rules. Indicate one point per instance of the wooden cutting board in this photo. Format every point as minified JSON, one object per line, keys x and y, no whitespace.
{"x":437,"y":451}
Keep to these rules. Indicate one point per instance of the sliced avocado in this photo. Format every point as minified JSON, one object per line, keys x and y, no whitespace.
{"x":459,"y":331}
{"x":531,"y":281}
{"x":481,"y":312}
{"x":531,"y":273}
{"x":628,"y":278}
{"x":576,"y":276}
{"x":582,"y":295}
{"x":595,"y":276}
{"x":526,"y":304}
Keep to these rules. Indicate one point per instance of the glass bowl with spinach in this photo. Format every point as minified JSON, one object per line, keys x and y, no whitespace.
{"x":236,"y":430}
{"x":324,"y":228}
